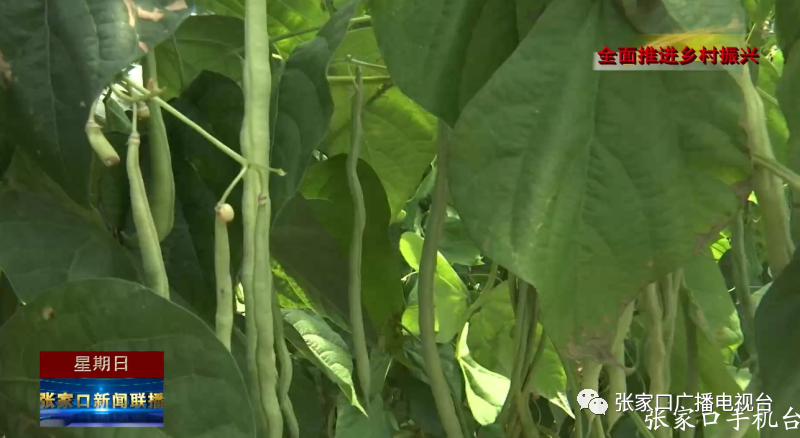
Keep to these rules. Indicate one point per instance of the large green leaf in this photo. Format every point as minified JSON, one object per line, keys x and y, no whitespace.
{"x":449,"y":292}
{"x":194,"y":48}
{"x":328,"y":349}
{"x":305,"y":106}
{"x":115,"y":315}
{"x":381,"y":290}
{"x":283,"y":16}
{"x":399,"y":137}
{"x":57,"y":57}
{"x":441,"y":52}
{"x":778,"y":328}
{"x":313,"y":258}
{"x":716,"y":315}
{"x":45,"y":243}
{"x":787,"y":17}
{"x":713,"y":16}
{"x":455,"y":243}
{"x":550,"y":173}
{"x":486,"y":390}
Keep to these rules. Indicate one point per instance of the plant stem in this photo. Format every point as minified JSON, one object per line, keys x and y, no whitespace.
{"x":655,"y":345}
{"x":130,"y":98}
{"x":670,"y":298}
{"x":521,"y":329}
{"x":742,"y":281}
{"x":356,"y":242}
{"x":170,"y":109}
{"x":691,"y":353}
{"x":527,"y":388}
{"x":354,"y":61}
{"x":778,"y":169}
{"x":768,"y":188}
{"x":232,"y":185}
{"x":427,"y":270}
{"x":296,"y":33}
{"x":366,"y":79}
{"x":617,"y":383}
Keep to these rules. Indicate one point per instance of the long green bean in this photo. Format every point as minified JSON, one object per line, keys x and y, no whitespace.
{"x":256,"y":205}
{"x":356,"y":244}
{"x":427,"y":312}
{"x":162,"y":201}
{"x":152,"y":259}
{"x":222,"y":272}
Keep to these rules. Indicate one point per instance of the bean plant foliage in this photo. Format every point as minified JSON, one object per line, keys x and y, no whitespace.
{"x":401,"y":219}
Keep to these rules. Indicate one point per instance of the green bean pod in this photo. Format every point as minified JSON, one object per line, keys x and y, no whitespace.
{"x":356,"y":243}
{"x":108,"y":155}
{"x":152,"y":260}
{"x":222,"y":271}
{"x":256,"y":205}
{"x":285,"y":377}
{"x":162,"y":202}
{"x":427,"y":313}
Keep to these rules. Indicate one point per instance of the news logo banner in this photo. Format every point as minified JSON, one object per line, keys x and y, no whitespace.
{"x":101,"y":388}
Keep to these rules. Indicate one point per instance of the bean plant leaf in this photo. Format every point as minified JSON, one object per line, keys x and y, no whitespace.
{"x":58,"y":59}
{"x":441,"y":52}
{"x":399,"y":137}
{"x":381,"y":290}
{"x":486,"y":390}
{"x":313,"y":258}
{"x":124,"y":317}
{"x":304,"y":106}
{"x":787,"y":15}
{"x":712,"y":16}
{"x":777,"y":326}
{"x":283,"y":16}
{"x":45,"y":243}
{"x":193,"y":49}
{"x":328,"y":348}
{"x":547,"y":165}
{"x":449,"y":292}
{"x":716,"y":315}
{"x":455,"y":243}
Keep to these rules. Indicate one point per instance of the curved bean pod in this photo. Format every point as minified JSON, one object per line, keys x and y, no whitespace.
{"x":162,"y":202}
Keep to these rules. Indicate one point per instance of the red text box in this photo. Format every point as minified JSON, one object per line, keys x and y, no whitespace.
{"x":101,"y":364}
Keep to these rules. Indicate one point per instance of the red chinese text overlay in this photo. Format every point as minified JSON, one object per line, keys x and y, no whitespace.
{"x":101,"y":364}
